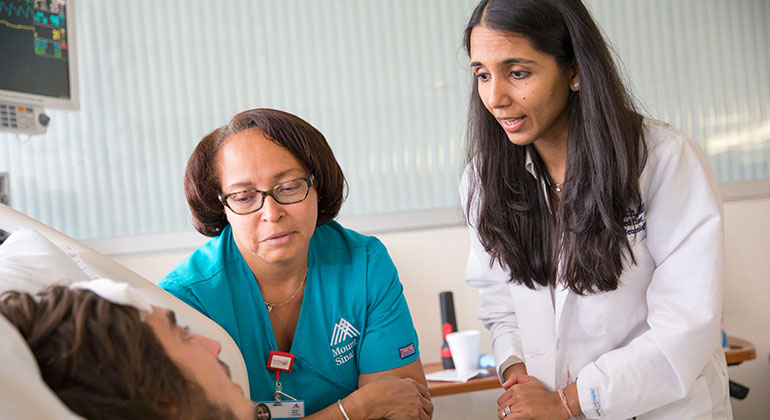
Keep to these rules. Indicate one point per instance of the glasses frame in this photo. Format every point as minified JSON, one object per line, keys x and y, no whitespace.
{"x":310,"y":180}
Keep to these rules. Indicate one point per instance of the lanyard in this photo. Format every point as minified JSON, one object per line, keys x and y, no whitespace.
{"x":280,"y":362}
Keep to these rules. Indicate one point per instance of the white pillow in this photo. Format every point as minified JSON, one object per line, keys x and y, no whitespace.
{"x":29,"y":262}
{"x":23,"y":393}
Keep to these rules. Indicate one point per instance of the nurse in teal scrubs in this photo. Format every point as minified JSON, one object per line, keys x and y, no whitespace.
{"x":279,"y":274}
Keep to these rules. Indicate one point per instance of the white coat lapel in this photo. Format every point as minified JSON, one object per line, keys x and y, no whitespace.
{"x":561,"y":294}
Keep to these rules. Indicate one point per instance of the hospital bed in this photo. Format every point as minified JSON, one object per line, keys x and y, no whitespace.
{"x":35,"y":255}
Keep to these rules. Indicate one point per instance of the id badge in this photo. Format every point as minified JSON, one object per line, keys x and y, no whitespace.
{"x":281,"y":410}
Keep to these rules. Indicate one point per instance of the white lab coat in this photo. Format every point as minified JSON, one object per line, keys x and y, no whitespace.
{"x":650,"y":348}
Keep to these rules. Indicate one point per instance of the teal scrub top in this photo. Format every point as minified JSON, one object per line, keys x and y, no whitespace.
{"x":354,"y":317}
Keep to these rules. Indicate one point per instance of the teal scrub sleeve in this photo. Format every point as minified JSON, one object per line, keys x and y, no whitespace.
{"x":182,"y":293}
{"x":389,"y":340}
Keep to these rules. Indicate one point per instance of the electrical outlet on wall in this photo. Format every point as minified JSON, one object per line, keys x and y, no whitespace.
{"x":5,"y":189}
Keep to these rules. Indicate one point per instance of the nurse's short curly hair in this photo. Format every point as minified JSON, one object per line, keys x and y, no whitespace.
{"x":201,"y":181}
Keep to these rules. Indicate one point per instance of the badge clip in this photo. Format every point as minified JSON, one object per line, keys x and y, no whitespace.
{"x":280,"y":362}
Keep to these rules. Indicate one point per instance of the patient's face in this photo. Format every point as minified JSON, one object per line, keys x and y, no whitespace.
{"x":198,"y":358}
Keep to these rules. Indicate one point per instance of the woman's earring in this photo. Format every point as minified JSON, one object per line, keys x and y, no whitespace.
{"x":576,"y":85}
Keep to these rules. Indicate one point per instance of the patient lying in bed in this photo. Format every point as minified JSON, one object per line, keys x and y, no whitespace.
{"x":119,"y":360}
{"x":104,"y":362}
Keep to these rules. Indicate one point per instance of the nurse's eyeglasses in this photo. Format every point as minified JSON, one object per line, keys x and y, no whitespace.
{"x":249,"y":201}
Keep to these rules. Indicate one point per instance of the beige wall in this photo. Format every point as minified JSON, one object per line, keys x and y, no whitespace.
{"x":747,"y":299}
{"x":430,"y":261}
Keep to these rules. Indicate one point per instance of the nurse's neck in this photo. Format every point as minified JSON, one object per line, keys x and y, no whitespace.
{"x":274,"y":278}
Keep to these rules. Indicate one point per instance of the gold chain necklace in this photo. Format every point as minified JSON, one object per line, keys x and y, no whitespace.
{"x":270,"y":306}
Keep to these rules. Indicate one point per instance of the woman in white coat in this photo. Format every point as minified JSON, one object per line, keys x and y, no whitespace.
{"x":596,"y":234}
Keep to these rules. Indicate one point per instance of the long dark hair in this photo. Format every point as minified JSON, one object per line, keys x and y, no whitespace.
{"x":605,"y":157}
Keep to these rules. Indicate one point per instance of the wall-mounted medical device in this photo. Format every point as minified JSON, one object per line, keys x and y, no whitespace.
{"x":38,"y":62}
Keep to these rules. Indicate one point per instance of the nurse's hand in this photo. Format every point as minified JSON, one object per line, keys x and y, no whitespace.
{"x":529,"y":399}
{"x":395,"y":398}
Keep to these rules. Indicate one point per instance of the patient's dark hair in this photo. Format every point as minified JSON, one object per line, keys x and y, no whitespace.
{"x":101,"y":360}
{"x":302,"y":140}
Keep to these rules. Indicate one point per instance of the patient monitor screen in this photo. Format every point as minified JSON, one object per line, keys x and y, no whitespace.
{"x":33,"y":47}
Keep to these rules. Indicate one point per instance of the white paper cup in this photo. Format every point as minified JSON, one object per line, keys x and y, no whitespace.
{"x":464,"y":346}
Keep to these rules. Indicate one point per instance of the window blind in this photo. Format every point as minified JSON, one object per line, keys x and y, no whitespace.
{"x":385,"y":80}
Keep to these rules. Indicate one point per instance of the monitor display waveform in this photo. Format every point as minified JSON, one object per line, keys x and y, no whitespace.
{"x":11,"y":9}
{"x":16,"y":26}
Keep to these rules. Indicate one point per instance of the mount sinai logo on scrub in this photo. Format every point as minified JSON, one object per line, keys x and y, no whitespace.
{"x":343,"y":330}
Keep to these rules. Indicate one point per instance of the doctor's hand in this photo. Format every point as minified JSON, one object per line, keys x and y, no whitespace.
{"x":529,"y":399}
{"x":395,"y":398}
